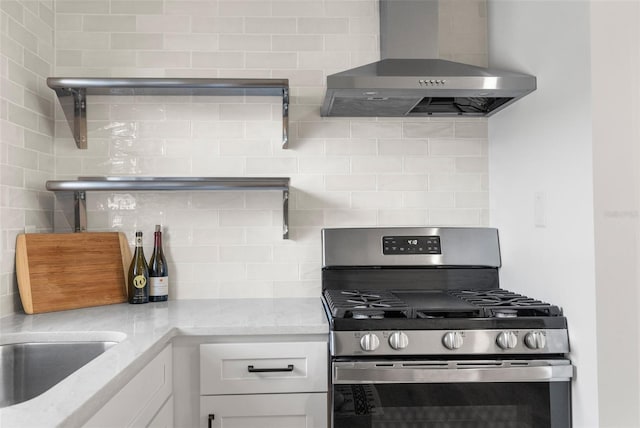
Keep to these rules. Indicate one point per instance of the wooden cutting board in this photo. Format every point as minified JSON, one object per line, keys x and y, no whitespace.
{"x":60,"y":271}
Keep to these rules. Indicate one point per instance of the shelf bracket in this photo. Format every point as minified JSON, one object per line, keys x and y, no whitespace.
{"x":285,"y":118}
{"x":285,"y":214}
{"x":80,"y":210}
{"x":74,"y":106}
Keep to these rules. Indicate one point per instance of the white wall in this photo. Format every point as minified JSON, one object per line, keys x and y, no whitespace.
{"x":616,"y":147}
{"x":542,"y":146}
{"x":344,"y":171}
{"x":26,"y":131}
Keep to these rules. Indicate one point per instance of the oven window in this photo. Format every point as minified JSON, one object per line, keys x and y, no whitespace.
{"x":456,"y":405}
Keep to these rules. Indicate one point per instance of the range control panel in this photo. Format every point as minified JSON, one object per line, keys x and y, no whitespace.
{"x":411,"y":245}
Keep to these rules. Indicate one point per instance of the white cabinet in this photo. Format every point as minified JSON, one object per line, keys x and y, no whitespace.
{"x":266,"y":411}
{"x":143,"y":402}
{"x":266,"y":384}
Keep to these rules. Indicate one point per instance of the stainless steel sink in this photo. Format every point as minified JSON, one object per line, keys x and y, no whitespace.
{"x":29,"y":369}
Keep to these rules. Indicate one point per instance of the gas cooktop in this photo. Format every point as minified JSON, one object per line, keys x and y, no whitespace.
{"x":434,"y":309}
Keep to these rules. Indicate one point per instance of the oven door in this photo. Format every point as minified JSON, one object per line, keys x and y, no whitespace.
{"x":452,"y":394}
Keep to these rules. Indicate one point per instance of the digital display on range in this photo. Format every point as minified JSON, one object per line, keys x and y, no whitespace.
{"x":411,"y":245}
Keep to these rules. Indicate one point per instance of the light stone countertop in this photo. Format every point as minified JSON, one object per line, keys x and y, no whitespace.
{"x":142,"y":331}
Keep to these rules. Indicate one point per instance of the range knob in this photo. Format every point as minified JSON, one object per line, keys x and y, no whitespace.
{"x":369,"y":342}
{"x":507,"y":340}
{"x":535,"y":340}
{"x":452,"y":340}
{"x":398,"y":340}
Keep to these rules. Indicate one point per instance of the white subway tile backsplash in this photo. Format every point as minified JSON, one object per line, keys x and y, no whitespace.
{"x":475,"y":129}
{"x":166,"y":59}
{"x":429,"y":165}
{"x":244,"y":42}
{"x":164,"y":23}
{"x":297,"y":8}
{"x":401,"y":182}
{"x":403,"y":147}
{"x":344,"y":171}
{"x":246,"y":253}
{"x":191,"y":7}
{"x":109,"y":23}
{"x":274,"y":271}
{"x":191,"y":42}
{"x":324,"y":129}
{"x":351,"y":147}
{"x":217,"y":24}
{"x":109,"y":58}
{"x":271,"y":60}
{"x":452,"y":182}
{"x":472,"y":200}
{"x":422,"y":129}
{"x":428,"y":199}
{"x":244,"y":8}
{"x":362,"y":8}
{"x":448,"y":147}
{"x":71,"y":40}
{"x":151,"y":41}
{"x":216,"y":60}
{"x":376,"y":164}
{"x":472,"y":164}
{"x":297,"y":43}
{"x":348,"y":217}
{"x":324,"y":60}
{"x":455,"y":217}
{"x":326,"y":165}
{"x":13,"y":8}
{"x":269,"y":25}
{"x":370,"y":129}
{"x":348,"y":182}
{"x":271,"y":166}
{"x":402,"y":217}
{"x":380,"y":199}
{"x":244,"y":111}
{"x":351,"y":42}
{"x":82,"y":6}
{"x":145,"y":7}
{"x":306,"y":218}
{"x":27,"y":39}
{"x":322,"y":25}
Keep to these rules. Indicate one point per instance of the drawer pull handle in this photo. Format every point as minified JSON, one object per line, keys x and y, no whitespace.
{"x":211,"y":418}
{"x":252,"y":369}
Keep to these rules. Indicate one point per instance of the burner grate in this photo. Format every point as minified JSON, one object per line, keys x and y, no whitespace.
{"x":502,"y":303}
{"x":364,"y":304}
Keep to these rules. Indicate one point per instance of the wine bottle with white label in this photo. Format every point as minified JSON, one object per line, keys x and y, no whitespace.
{"x":138,"y":275}
{"x":158,"y":271}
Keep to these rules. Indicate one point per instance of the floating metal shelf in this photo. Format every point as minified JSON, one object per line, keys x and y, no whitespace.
{"x":82,"y":185}
{"x":72,"y":93}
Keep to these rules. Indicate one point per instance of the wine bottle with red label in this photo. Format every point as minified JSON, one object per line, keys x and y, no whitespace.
{"x":158,"y":271}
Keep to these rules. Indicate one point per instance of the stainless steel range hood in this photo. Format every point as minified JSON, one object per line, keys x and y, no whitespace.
{"x":410,"y":81}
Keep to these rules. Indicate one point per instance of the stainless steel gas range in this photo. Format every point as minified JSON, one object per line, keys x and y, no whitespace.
{"x":422,"y":335}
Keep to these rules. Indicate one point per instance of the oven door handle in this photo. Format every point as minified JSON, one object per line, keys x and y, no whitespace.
{"x":452,"y":372}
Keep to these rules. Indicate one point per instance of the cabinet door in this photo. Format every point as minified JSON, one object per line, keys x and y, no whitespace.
{"x":136,"y":404}
{"x":264,"y":411}
{"x":164,"y":417}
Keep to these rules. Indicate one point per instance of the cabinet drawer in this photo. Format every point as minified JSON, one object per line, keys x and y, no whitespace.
{"x":241,"y":368}
{"x":264,"y":411}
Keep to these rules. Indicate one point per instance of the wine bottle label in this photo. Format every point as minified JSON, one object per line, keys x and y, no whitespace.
{"x":159,"y":285}
{"x":139,"y":281}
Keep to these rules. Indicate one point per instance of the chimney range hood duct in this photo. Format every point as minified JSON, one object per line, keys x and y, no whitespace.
{"x":407,"y":83}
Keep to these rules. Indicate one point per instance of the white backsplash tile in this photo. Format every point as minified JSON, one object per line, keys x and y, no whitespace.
{"x":344,"y":171}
